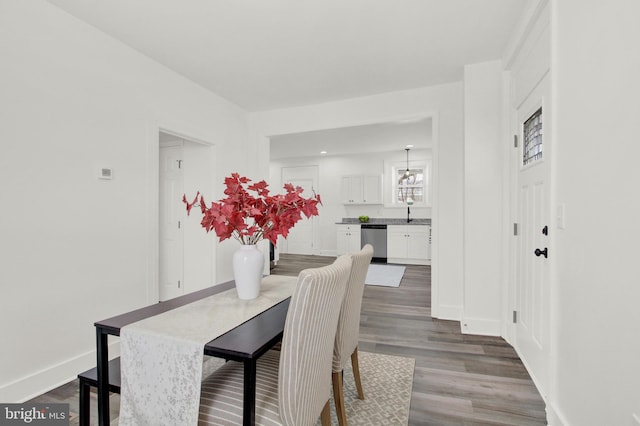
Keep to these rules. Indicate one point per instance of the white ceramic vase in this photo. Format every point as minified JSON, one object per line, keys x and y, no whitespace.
{"x":248,"y":263}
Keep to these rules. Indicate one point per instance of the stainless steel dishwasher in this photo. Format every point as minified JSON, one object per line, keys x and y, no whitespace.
{"x":376,"y":235}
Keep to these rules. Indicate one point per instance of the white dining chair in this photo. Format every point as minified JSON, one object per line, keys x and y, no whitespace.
{"x":293,"y":385}
{"x":348,"y":333}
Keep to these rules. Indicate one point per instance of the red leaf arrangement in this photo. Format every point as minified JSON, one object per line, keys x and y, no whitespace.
{"x":249,"y":213}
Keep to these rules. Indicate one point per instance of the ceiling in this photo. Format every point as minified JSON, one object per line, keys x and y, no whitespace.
{"x":268,"y":54}
{"x":381,"y":137}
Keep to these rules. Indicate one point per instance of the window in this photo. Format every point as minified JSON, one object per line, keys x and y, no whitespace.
{"x":532,"y":145}
{"x":398,"y":186}
{"x":409,"y":185}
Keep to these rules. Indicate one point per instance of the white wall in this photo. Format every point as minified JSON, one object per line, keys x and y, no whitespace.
{"x":75,"y":249}
{"x":331,"y":169}
{"x":444,"y":104}
{"x":595,"y":65}
{"x":483,"y":198}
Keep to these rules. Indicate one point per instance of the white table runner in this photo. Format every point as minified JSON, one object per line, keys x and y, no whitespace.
{"x":161,"y":356}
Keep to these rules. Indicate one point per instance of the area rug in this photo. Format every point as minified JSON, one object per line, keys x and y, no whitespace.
{"x":387,"y":382}
{"x":384,"y":275}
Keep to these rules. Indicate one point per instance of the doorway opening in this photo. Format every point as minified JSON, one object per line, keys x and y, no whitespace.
{"x":186,"y":254}
{"x":363,"y":152}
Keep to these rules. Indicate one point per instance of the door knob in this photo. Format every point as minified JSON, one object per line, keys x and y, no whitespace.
{"x":543,"y":252}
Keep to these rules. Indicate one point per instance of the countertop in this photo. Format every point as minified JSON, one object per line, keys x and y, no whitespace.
{"x":383,"y":221}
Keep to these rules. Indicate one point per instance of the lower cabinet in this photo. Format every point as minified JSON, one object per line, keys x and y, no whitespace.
{"x":409,"y":244}
{"x":348,"y":239}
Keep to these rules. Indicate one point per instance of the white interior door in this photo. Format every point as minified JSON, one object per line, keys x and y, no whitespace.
{"x":300,"y":238}
{"x":171,"y":268}
{"x":533,"y":212}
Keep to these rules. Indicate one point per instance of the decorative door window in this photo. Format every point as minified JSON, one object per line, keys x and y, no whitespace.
{"x":532,"y":145}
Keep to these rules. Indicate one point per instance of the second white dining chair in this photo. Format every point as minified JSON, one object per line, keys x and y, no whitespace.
{"x":348,"y":333}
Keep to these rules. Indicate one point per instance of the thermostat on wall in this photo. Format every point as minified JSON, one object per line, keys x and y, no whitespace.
{"x":105,"y":173}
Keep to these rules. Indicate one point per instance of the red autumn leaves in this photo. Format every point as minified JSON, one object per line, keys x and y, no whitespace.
{"x":250,"y":218}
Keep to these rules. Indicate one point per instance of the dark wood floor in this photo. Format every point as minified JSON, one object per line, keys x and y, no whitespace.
{"x":458,"y":380}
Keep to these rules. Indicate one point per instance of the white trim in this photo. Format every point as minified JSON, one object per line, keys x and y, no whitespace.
{"x":534,"y":379}
{"x":262,"y":136}
{"x":349,"y":123}
{"x":44,"y":380}
{"x":437,"y":311}
{"x":404,"y":261}
{"x":524,"y":27}
{"x":152,"y":201}
{"x":153,"y":213}
{"x":53,"y":376}
{"x":506,"y":303}
{"x":554,"y":416}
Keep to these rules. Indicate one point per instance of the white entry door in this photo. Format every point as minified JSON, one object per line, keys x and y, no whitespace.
{"x":533,"y":211}
{"x":171,"y":270}
{"x":300,"y":238}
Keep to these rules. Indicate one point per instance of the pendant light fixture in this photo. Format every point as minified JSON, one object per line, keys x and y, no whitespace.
{"x":407,"y":172}
{"x":408,"y":200}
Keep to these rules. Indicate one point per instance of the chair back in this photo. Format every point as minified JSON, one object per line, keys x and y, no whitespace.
{"x":348,"y":331}
{"x":304,"y":381}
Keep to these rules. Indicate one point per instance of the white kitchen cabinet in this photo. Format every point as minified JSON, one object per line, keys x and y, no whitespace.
{"x":409,"y":244}
{"x":362,"y":189}
{"x":348,"y":239}
{"x":351,"y":189}
{"x":372,"y":189}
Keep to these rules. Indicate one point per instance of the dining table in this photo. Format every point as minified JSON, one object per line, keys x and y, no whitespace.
{"x":245,"y":342}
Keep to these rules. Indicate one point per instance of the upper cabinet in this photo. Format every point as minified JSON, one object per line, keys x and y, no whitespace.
{"x":362,"y":189}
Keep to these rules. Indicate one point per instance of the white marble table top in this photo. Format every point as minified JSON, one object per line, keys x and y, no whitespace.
{"x":161,"y":356}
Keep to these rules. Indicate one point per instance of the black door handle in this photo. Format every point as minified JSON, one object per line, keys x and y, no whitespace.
{"x":543,"y":252}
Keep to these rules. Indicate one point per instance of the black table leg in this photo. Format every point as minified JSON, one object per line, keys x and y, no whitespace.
{"x":102,"y":348}
{"x":85,"y":406}
{"x":249,"y":397}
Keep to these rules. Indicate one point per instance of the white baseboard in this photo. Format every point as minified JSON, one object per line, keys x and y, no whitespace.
{"x":43,"y":381}
{"x":483,"y":327}
{"x":403,"y":261}
{"x":554,"y":418}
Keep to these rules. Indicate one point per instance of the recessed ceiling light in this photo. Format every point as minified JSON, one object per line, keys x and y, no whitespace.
{"x":323,"y":152}
{"x":409,"y":146}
